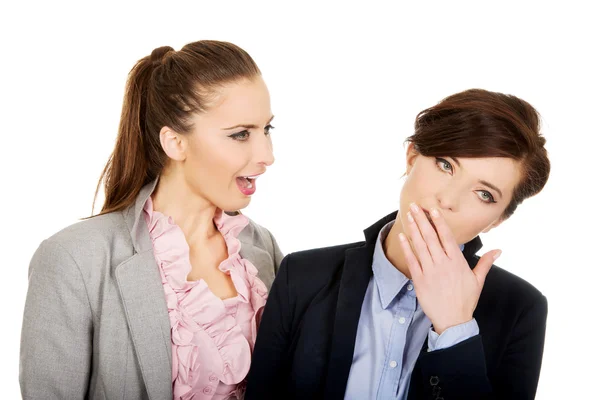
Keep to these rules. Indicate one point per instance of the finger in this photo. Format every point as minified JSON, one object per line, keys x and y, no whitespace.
{"x":420,"y":247}
{"x":413,"y":264}
{"x":485,"y":264}
{"x":428,"y":234}
{"x":444,"y":233}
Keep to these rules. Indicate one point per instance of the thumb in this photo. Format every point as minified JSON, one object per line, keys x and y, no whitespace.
{"x":485,"y":264}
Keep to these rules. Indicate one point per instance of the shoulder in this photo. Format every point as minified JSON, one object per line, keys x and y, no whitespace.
{"x":507,"y":293}
{"x":316,"y":267}
{"x":89,"y":238}
{"x":511,"y":284}
{"x":90,"y":232}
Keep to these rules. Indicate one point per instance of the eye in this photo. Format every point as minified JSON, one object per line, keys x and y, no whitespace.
{"x":268,"y":129}
{"x":240,"y":136}
{"x":486,"y":196}
{"x":444,"y":165}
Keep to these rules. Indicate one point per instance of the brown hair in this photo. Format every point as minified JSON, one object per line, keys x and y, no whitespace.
{"x":476,"y":124}
{"x":165,"y":89}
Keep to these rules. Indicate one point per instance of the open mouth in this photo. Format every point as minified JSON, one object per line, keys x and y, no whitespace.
{"x":247,"y":184}
{"x":247,"y":181}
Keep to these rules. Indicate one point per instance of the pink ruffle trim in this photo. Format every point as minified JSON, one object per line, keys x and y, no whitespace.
{"x":203,"y":333}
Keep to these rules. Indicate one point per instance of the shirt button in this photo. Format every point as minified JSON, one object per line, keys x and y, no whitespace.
{"x":207,"y":390}
{"x":410,"y":287}
{"x":393,"y":364}
{"x":402,"y":320}
{"x":212,"y":378}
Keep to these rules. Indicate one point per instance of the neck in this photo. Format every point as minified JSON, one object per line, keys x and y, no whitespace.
{"x":192,"y":213}
{"x":392,"y":249}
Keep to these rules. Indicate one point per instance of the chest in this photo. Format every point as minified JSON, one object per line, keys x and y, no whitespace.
{"x":205,"y":260}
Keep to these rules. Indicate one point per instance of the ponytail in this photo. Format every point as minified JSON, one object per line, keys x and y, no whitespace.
{"x":126,"y":171}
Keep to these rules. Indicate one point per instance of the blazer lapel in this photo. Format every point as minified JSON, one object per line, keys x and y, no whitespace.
{"x":260,"y":259}
{"x":143,"y":297}
{"x":356,"y":274}
{"x":353,"y":285}
{"x":147,"y":316}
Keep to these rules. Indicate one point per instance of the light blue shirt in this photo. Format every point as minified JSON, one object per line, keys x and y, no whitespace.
{"x":391,"y":332}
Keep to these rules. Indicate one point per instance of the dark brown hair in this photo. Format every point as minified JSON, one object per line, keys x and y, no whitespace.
{"x":165,"y":89}
{"x":476,"y":124}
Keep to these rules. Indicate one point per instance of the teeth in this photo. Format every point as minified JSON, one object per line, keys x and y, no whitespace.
{"x":249,"y":185}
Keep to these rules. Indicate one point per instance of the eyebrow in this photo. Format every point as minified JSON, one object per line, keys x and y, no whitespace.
{"x":456,"y":161}
{"x":248,"y":126}
{"x":485,"y":183}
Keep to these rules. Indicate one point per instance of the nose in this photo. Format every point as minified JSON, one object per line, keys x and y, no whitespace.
{"x":264,"y":151}
{"x":448,"y":199}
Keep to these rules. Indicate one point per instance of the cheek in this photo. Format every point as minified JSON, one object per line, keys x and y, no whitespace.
{"x":420,"y":186}
{"x":216,"y":159}
{"x":467,"y":227}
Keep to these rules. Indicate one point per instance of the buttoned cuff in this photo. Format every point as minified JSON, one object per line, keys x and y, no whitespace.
{"x":451,"y":336}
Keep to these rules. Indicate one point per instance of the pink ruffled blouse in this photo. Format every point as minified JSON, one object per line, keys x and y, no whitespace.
{"x":212,"y":339}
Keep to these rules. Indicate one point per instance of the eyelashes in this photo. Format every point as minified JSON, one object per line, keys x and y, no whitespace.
{"x":240,"y":136}
{"x":245,"y":134}
{"x":445,"y":166}
{"x":488,"y":196}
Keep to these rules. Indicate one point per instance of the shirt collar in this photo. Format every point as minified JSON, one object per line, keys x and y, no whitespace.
{"x":389,"y":279}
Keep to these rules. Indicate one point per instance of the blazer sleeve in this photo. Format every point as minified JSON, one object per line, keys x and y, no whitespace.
{"x":459,"y":372}
{"x":269,"y":369}
{"x":56,"y":337}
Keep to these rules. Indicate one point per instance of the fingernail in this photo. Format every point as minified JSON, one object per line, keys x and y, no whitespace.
{"x":435,"y":213}
{"x":410,"y":217}
{"x":414,"y":208}
{"x":497,"y":254}
{"x":402,"y":237}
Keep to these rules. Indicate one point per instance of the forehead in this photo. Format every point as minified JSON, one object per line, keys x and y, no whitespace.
{"x":502,"y":172}
{"x":245,"y":101}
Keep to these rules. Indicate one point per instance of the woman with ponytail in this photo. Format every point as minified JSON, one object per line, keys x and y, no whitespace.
{"x":160,"y":295}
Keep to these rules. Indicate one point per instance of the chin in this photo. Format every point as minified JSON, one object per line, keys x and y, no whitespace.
{"x":232,"y":206}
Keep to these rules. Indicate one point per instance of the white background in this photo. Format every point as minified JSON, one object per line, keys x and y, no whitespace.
{"x":346,"y":81}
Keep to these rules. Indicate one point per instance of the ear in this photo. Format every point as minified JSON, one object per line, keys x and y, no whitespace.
{"x":493,"y":225}
{"x":411,"y":157}
{"x":173,"y":144}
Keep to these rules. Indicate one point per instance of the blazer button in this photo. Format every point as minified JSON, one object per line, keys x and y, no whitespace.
{"x":436,"y":390}
{"x":207,"y":390}
{"x":434,"y":380}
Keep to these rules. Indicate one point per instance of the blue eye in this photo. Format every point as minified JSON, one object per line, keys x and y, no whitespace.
{"x":444,"y":165}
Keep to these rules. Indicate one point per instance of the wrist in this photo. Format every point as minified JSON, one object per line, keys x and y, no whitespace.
{"x":440,"y":327}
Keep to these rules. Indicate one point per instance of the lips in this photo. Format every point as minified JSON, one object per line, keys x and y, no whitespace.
{"x":247,"y":183}
{"x":251,"y":176}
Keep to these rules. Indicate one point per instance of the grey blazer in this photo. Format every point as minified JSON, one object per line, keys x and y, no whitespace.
{"x":95,"y":324}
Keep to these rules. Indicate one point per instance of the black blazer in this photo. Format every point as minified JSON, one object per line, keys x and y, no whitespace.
{"x":305,"y":342}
